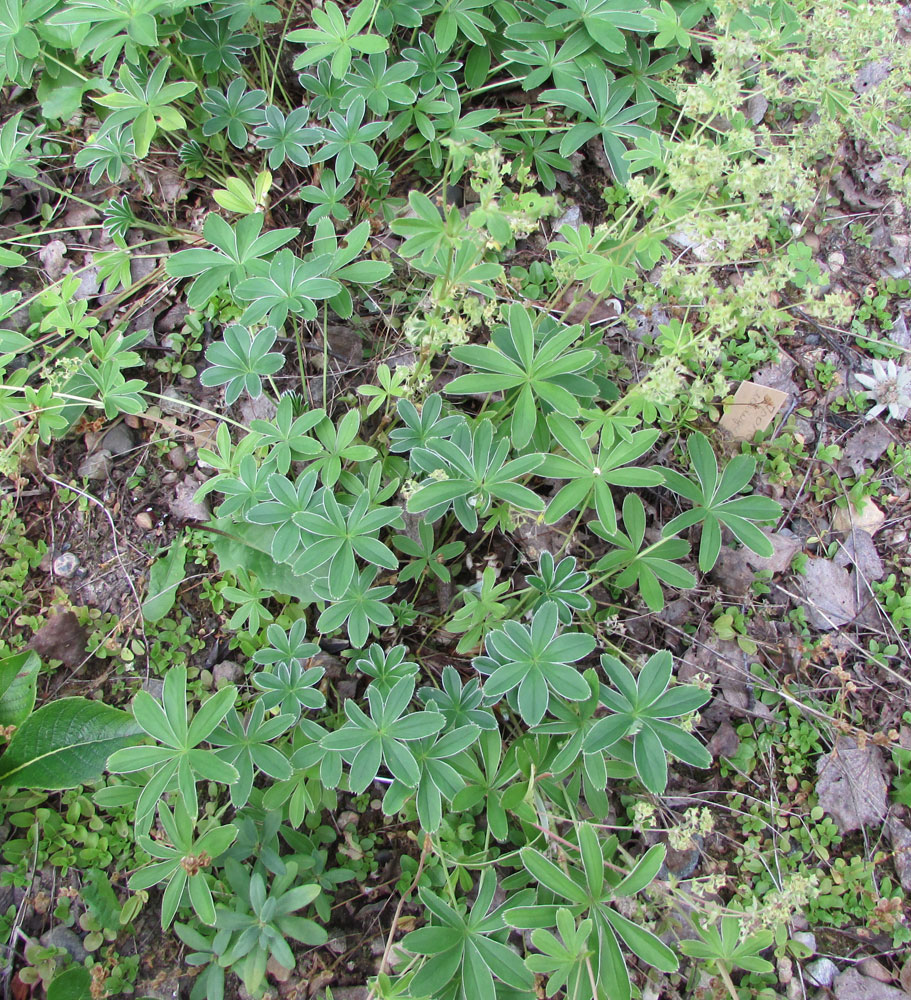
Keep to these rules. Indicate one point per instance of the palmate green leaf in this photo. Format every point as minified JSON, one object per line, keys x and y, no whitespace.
{"x":460,"y":17}
{"x":470,"y":947}
{"x":470,"y":474}
{"x":236,"y":248}
{"x":341,"y":537}
{"x":591,"y":475}
{"x":362,"y":606}
{"x":534,"y":662}
{"x":723,"y":945}
{"x":145,"y":105}
{"x":287,"y":137}
{"x":179,"y":755}
{"x":285,"y":285}
{"x":715,"y":504}
{"x":335,"y":39}
{"x":233,"y":111}
{"x":532,"y":374}
{"x":213,"y":44}
{"x":587,"y":890}
{"x":605,"y":116}
{"x":646,"y":567}
{"x":368,"y":741}
{"x":560,"y":583}
{"x":241,"y":360}
{"x":347,"y":139}
{"x":639,"y":710}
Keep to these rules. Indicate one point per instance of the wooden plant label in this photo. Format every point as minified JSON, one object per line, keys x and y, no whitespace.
{"x":753,"y":409}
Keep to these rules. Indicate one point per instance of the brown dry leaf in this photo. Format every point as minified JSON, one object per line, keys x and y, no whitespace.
{"x":864,"y":447}
{"x":900,"y":838}
{"x":858,"y":550}
{"x":829,"y":597}
{"x":851,"y":787}
{"x":61,"y":638}
{"x":904,"y":977}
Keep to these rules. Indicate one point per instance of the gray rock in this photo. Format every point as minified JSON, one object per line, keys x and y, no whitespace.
{"x":89,"y":284}
{"x":62,"y":937}
{"x":153,"y":686}
{"x":821,"y":972}
{"x":65,"y":565}
{"x":807,"y":938}
{"x":96,"y":465}
{"x":571,"y":217}
{"x":173,"y":403}
{"x":118,"y":440}
{"x":227,"y":672}
{"x":851,"y":985}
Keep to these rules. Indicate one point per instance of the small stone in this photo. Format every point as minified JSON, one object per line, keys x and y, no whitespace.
{"x":65,"y":565}
{"x":571,"y":217}
{"x":61,"y":638}
{"x":337,"y":945}
{"x":62,"y":937}
{"x":278,"y":971}
{"x":227,"y":672}
{"x":851,"y":985}
{"x":171,"y":402}
{"x":178,"y":458}
{"x":118,"y":440}
{"x":806,"y":938}
{"x":821,"y":972}
{"x":153,"y":686}
{"x":836,"y":261}
{"x":95,"y":466}
{"x":144,"y":521}
{"x":875,"y":969}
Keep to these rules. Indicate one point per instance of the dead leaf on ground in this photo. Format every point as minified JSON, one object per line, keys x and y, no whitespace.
{"x":900,"y":837}
{"x":184,"y":507}
{"x":864,"y":448}
{"x":859,"y":550}
{"x":61,"y":638}
{"x":828,"y":594}
{"x":851,"y":787}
